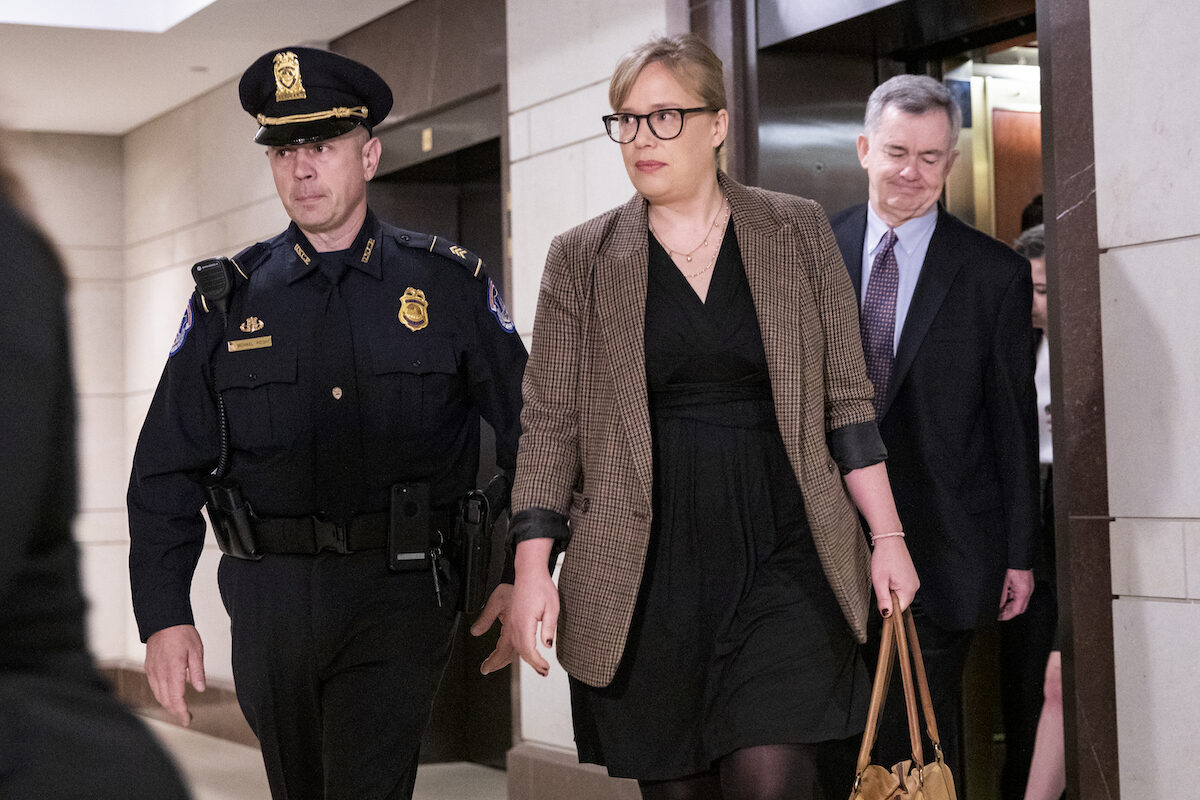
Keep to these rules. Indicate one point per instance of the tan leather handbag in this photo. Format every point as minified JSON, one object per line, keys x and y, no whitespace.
{"x":910,"y":779}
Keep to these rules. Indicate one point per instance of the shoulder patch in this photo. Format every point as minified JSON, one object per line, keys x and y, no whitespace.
{"x":496,"y":306}
{"x":184,"y":326}
{"x":442,"y":247}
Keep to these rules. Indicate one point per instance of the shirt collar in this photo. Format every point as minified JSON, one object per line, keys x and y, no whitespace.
{"x":363,"y":254}
{"x":907,"y":235}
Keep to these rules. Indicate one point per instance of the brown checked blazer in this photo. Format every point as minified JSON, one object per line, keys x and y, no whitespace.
{"x":585,"y":450}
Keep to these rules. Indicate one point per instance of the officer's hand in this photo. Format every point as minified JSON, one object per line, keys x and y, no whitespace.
{"x":175,"y":656}
{"x":1018,"y":588}
{"x":498,"y":607}
{"x":535,"y":600}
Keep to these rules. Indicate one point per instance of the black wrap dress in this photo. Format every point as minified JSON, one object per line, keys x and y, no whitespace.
{"x":737,"y":639}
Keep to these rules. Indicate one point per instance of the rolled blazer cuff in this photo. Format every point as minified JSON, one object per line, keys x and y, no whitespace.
{"x":538,"y":523}
{"x":856,"y":446}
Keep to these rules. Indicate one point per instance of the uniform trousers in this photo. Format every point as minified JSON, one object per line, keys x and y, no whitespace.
{"x":336,"y":662}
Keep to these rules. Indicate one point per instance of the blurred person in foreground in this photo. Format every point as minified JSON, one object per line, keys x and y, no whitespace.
{"x":62,"y":732}
{"x":698,"y":430}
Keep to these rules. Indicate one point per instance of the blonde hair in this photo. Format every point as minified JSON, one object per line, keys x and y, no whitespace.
{"x":690,"y":60}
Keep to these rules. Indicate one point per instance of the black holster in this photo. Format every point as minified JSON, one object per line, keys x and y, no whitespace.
{"x":231,"y":518}
{"x":473,"y":550}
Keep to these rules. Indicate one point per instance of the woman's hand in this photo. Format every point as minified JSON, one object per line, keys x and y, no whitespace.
{"x":892,"y":570}
{"x":534,"y":602}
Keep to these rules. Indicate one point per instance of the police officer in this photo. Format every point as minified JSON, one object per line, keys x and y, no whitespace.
{"x":331,"y":405}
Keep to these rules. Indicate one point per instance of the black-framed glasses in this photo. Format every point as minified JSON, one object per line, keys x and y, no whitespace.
{"x":665,"y":123}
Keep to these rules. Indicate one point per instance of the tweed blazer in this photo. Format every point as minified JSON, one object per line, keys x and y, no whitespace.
{"x":585,"y":448}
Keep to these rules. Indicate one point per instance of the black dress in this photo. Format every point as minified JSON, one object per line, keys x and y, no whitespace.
{"x":737,"y":639}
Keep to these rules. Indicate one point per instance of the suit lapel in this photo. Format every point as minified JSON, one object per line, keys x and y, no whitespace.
{"x":937,"y":274}
{"x":850,"y":240}
{"x":622,"y":270}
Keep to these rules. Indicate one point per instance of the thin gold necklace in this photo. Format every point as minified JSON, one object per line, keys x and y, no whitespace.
{"x":688,"y":256}
{"x":716,"y":251}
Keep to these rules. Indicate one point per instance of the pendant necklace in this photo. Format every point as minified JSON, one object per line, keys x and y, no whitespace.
{"x":688,"y":256}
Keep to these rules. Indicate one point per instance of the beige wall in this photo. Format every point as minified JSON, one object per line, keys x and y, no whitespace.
{"x":1147,"y":171}
{"x":563,"y":171}
{"x":73,"y":187}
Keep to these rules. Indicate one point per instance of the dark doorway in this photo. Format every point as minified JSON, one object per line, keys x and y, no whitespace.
{"x":458,"y":196}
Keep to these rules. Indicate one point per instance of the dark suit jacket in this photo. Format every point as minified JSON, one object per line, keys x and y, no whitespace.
{"x":959,"y":419}
{"x":586,"y":449}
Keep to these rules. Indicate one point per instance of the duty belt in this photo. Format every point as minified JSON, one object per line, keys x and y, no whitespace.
{"x":311,"y":535}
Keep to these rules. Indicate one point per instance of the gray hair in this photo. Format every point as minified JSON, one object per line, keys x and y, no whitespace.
{"x":1032,"y":242}
{"x":913,"y":94}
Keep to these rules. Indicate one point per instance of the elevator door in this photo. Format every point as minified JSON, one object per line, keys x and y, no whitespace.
{"x":458,"y":196}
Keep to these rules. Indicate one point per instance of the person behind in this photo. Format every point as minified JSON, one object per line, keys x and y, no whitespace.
{"x":61,"y":729}
{"x":1026,"y":641}
{"x":1046,"y":765}
{"x":945,"y":327}
{"x":697,"y":421}
{"x":350,"y":377}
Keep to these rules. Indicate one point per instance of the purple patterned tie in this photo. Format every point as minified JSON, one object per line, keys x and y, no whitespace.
{"x":879,"y":317}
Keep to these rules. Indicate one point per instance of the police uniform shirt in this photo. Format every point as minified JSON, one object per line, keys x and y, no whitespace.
{"x":341,"y":374}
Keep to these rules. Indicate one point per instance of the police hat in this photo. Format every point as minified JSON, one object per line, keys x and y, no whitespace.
{"x":300,"y":95}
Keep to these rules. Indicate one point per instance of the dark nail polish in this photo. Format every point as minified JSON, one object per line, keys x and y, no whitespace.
{"x":887,"y":612}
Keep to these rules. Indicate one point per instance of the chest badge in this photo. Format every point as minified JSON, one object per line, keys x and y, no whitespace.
{"x":251,"y":325}
{"x":414,"y":309}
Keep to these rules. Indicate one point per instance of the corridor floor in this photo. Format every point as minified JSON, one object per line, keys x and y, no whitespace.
{"x":217,"y":769}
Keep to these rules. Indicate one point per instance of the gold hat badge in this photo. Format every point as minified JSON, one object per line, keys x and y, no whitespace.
{"x":251,"y":325}
{"x":414,"y":310}
{"x":288,"y":85}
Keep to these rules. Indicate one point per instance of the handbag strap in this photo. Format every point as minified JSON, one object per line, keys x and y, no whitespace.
{"x":922,"y":684}
{"x":906,"y":677}
{"x":900,"y":638}
{"x":883,"y":674}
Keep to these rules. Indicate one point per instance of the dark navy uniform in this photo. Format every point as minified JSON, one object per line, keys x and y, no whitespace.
{"x":342,"y":374}
{"x":334,"y":392}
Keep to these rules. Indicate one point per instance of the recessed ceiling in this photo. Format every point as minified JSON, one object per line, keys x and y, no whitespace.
{"x":152,"y":16}
{"x":80,"y":80}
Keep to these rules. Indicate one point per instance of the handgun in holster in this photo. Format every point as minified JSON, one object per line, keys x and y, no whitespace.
{"x":232,"y":520}
{"x":477,"y":515}
{"x":474,"y":546}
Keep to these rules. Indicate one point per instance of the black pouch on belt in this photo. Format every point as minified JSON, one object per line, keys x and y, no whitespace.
{"x":408,"y":527}
{"x":232,"y":520}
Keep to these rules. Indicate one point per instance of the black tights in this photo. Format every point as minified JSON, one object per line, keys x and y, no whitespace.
{"x":766,"y":772}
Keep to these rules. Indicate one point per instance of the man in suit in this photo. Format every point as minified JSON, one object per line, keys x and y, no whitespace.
{"x":945,"y":318}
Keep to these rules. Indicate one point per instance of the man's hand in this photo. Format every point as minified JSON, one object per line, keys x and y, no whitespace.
{"x":498,"y":607}
{"x":1018,"y":586}
{"x":174,"y":657}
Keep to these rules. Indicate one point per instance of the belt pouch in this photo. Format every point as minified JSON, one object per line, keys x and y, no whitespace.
{"x":408,"y":527}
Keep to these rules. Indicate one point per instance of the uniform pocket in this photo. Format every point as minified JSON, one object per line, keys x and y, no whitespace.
{"x":260,"y":394}
{"x":419,"y":378}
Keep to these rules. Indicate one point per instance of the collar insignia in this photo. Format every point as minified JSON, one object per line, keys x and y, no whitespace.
{"x":414,"y":310}
{"x":288,"y":85}
{"x":303,"y":255}
{"x":251,"y":325}
{"x":366,"y":256}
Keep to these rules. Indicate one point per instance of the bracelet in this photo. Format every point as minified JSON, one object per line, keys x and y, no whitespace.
{"x":877,"y":536}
